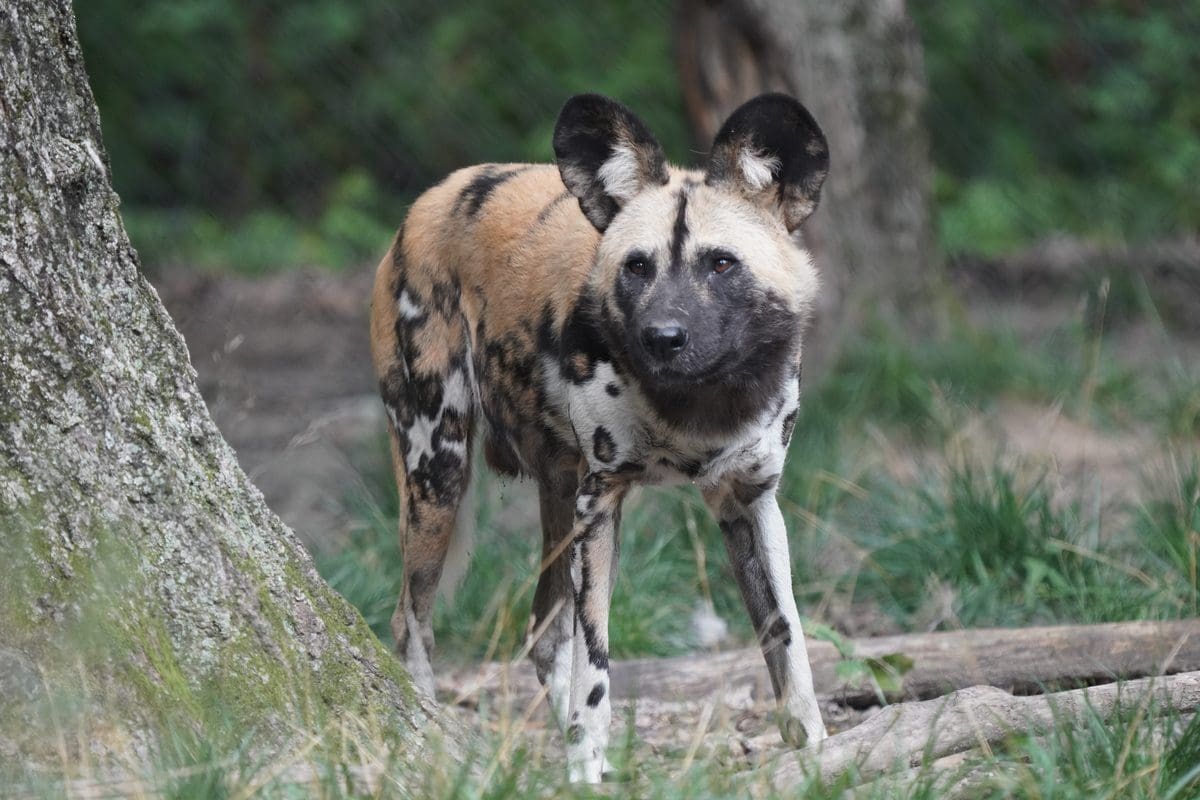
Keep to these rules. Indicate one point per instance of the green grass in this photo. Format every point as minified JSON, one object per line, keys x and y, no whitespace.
{"x":1142,"y":754}
{"x":1139,"y":751}
{"x":1168,"y":524}
{"x":1010,"y":555}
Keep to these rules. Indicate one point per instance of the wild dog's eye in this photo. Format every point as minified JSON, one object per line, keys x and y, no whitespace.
{"x":637,"y":265}
{"x":722,"y":263}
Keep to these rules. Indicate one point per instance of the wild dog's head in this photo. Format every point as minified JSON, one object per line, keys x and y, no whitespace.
{"x":698,"y":278}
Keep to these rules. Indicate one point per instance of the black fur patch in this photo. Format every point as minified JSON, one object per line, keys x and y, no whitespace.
{"x":629,"y":468}
{"x":574,"y":734}
{"x":410,"y":394}
{"x":774,"y":633}
{"x":398,"y":263}
{"x":789,"y":425}
{"x":547,"y":333}
{"x":603,"y":445}
{"x":500,"y":456}
{"x":444,"y":298}
{"x":613,"y":390}
{"x":582,"y":344}
{"x":438,"y":479}
{"x":687,"y":466}
{"x":548,"y":209}
{"x":747,"y":492}
{"x":595,"y":695}
{"x":477,"y":192}
{"x":594,"y":484}
{"x":597,"y":653}
{"x":679,"y":232}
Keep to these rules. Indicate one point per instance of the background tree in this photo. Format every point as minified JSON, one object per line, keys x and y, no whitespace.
{"x":141,"y":570}
{"x":858,"y":67}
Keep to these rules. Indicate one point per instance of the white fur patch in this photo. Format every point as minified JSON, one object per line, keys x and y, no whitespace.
{"x":559,"y":684}
{"x":416,"y":659}
{"x":758,"y":170}
{"x":456,"y":395}
{"x":408,"y":309}
{"x":420,"y":440}
{"x":619,"y":174}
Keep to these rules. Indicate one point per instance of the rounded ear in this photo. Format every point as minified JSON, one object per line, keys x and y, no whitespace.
{"x":772,"y":151}
{"x":606,"y":155}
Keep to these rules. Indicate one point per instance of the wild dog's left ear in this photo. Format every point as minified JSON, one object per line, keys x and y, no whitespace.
{"x":606,"y":155}
{"x":771,"y":150}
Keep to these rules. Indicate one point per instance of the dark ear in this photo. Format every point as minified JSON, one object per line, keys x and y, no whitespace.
{"x":772,"y":151}
{"x":606,"y":155}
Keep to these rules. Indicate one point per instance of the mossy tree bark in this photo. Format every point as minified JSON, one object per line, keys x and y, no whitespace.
{"x":141,"y":574}
{"x":857,"y":65}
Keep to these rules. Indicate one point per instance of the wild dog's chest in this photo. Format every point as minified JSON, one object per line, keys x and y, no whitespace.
{"x":617,"y":430}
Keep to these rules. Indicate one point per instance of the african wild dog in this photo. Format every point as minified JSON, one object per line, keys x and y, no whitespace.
{"x":611,"y":322}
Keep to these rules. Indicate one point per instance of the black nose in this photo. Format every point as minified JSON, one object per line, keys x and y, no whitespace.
{"x":665,"y":341}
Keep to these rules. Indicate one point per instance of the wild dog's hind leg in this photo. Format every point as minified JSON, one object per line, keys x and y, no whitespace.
{"x":756,"y":540}
{"x":432,"y":459}
{"x":426,"y":384}
{"x":553,"y":600}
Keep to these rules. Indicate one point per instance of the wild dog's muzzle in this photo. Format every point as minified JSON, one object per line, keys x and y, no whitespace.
{"x":664,"y":340}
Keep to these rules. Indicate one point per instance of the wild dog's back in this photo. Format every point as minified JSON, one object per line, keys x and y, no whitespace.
{"x":508,"y":237}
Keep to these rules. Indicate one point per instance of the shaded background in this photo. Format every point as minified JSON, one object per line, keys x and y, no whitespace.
{"x":257,"y":136}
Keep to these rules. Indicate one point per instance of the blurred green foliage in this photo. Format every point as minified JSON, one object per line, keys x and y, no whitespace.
{"x":262,"y":134}
{"x":1072,"y":115}
{"x":275,"y":133}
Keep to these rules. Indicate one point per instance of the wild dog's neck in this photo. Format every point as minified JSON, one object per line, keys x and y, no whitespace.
{"x":725,"y":404}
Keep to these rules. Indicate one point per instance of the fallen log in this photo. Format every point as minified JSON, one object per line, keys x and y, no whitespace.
{"x":1022,"y":660}
{"x":1169,"y":269}
{"x":1064,"y":260}
{"x":908,"y":734}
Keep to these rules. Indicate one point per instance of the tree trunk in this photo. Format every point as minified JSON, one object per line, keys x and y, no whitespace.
{"x":857,"y":66}
{"x":142,"y":579}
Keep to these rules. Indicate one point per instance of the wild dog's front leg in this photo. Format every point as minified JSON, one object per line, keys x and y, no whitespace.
{"x":593,"y":570}
{"x":756,"y":540}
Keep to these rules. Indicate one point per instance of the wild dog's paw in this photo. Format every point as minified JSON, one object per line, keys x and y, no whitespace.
{"x":795,"y":735}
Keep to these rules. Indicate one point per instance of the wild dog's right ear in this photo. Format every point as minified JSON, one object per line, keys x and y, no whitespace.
{"x":606,"y":155}
{"x":772,"y":151}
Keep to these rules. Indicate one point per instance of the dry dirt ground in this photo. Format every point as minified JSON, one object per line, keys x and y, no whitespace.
{"x":283,"y":363}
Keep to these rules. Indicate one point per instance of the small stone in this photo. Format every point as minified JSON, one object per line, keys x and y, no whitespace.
{"x":708,"y":629}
